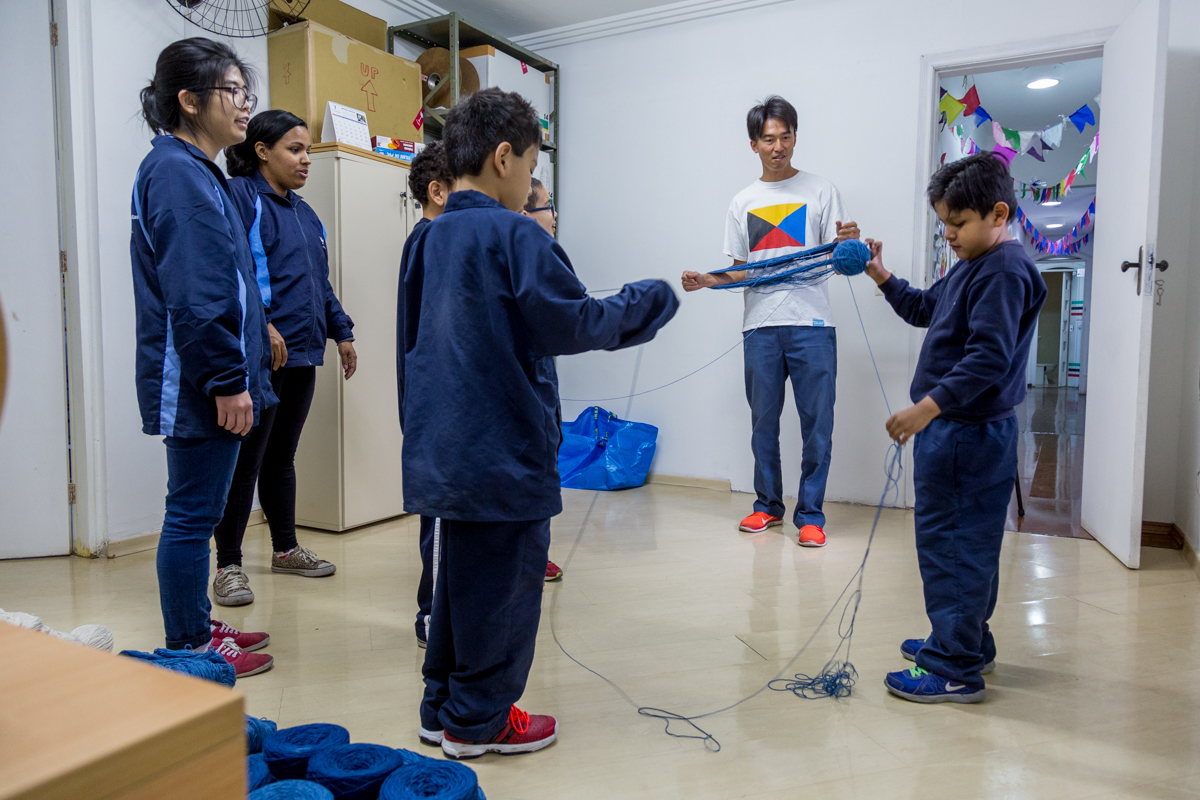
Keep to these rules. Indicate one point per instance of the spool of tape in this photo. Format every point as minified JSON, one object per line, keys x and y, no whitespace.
{"x":435,"y":67}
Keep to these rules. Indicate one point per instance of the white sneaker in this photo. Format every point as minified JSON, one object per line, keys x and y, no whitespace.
{"x":231,"y":587}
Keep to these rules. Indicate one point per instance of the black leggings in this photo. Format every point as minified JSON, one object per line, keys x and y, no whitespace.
{"x":268,"y":457}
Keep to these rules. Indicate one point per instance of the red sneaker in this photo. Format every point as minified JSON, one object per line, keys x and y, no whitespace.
{"x":553,"y":572}
{"x":812,"y":536}
{"x":524,"y":733}
{"x":245,"y":641}
{"x":758,"y":522}
{"x":244,"y":663}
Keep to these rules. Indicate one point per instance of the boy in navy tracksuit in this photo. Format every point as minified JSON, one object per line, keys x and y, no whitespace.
{"x":971,"y":374}
{"x":489,"y":299}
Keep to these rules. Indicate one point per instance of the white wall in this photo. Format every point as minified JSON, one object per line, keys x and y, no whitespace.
{"x":654,"y":147}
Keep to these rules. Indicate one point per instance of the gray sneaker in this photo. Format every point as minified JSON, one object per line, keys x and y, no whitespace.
{"x":301,"y":561}
{"x":231,"y":588}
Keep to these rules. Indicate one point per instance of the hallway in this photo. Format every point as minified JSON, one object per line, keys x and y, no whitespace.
{"x":1050,"y":463}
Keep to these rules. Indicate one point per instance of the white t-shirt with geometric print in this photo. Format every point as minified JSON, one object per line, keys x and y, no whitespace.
{"x":767,"y":220}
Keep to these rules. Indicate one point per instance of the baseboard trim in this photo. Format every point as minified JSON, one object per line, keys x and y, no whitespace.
{"x":1162,"y":534}
{"x":149,"y":541}
{"x":714,"y":484}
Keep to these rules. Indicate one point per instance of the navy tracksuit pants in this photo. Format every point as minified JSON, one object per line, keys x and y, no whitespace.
{"x":425,"y":587}
{"x":964,"y":476}
{"x":487,"y":603}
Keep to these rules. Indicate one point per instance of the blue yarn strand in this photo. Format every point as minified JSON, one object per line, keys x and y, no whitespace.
{"x":210,"y":666}
{"x":287,"y":752}
{"x":257,"y":731}
{"x":291,"y":790}
{"x":354,"y":771}
{"x":430,"y":779}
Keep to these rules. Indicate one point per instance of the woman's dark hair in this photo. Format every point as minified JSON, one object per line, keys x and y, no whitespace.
{"x":241,"y":161}
{"x":196,"y":65}
{"x":481,"y":123}
{"x":774,"y":107}
{"x":428,"y":166}
{"x":531,"y":201}
{"x":975,"y":183}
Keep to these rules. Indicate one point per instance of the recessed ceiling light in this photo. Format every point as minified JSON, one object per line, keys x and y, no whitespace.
{"x":1044,"y":83}
{"x":1052,"y":203}
{"x":1054,"y":225}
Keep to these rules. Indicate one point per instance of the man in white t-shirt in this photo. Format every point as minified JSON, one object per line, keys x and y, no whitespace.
{"x":788,"y":331}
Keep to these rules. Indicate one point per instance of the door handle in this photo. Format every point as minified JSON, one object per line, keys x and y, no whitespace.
{"x":1161,"y":266}
{"x":1128,"y":265}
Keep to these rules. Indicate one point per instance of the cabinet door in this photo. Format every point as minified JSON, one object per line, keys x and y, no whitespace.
{"x":374,"y":224}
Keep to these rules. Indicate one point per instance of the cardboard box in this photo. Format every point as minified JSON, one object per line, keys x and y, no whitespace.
{"x":399,"y":155}
{"x":499,"y":69}
{"x":403,"y":145}
{"x":311,"y":65}
{"x":332,"y":14}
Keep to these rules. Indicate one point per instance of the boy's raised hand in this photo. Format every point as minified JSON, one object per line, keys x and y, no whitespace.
{"x":875,"y":266}
{"x":903,"y":425}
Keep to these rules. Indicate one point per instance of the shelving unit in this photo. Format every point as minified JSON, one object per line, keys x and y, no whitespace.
{"x":454,"y":33}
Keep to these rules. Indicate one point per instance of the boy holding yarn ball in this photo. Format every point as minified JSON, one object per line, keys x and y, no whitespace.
{"x":489,"y":299}
{"x":981,"y":318}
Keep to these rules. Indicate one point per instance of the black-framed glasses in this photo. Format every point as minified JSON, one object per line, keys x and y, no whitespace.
{"x":241,"y":98}
{"x":549,"y":208}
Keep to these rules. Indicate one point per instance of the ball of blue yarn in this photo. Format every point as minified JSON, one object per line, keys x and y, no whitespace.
{"x":291,"y":790}
{"x":354,"y":771}
{"x":257,"y":731}
{"x":288,"y":751}
{"x":258,"y":774}
{"x":210,"y":666}
{"x":850,"y":257}
{"x":432,"y":780}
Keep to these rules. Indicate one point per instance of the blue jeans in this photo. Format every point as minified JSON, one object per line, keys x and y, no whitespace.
{"x":199,"y":472}
{"x":486,"y":606}
{"x":809,"y":357}
{"x":964,"y":476}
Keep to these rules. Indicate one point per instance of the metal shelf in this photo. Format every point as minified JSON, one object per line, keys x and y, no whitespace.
{"x":454,"y":33}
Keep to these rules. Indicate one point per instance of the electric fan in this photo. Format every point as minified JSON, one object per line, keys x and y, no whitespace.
{"x":240,"y":19}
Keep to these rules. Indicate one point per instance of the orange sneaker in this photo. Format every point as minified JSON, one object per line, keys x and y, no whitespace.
{"x":812,"y":536}
{"x":758,"y":522}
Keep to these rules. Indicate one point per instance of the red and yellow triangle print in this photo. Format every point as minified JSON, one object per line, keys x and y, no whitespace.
{"x":772,"y":227}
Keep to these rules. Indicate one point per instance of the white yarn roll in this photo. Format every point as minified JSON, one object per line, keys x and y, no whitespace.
{"x":22,"y":620}
{"x":96,"y":636}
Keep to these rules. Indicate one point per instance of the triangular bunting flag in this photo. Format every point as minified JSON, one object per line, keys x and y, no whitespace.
{"x":970,"y":102}
{"x":950,"y":107}
{"x":981,"y":115}
{"x":1083,"y":117}
{"x":1052,"y":136}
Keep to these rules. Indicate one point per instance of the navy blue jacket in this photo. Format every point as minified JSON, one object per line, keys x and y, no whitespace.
{"x":201,"y":332}
{"x":489,"y":299}
{"x":981,"y":318}
{"x":291,"y":265}
{"x":421,"y":223}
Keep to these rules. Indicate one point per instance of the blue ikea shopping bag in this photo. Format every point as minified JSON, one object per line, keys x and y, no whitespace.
{"x":600,"y":451}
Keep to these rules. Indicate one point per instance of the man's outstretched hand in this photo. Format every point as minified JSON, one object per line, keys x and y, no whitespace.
{"x":697,"y":280}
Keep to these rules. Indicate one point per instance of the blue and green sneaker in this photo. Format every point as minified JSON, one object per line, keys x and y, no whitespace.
{"x":920,"y":686}
{"x":909,"y":648}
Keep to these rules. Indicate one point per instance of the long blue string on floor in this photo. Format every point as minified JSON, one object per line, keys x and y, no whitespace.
{"x":837,"y":677}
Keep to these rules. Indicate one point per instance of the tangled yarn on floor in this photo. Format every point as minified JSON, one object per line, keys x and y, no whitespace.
{"x":428,"y":779}
{"x":210,"y":666}
{"x":257,"y":731}
{"x":258,"y":774}
{"x":288,"y":751}
{"x":292,"y":790}
{"x":354,"y":771}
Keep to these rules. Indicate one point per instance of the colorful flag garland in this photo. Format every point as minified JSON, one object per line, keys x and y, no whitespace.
{"x":1067,"y":245}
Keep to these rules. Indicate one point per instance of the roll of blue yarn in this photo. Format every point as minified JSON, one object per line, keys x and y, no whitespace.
{"x":258,"y":774}
{"x":354,"y":771}
{"x":428,"y":779}
{"x":257,"y":731}
{"x":850,"y":257}
{"x":210,"y":666}
{"x":291,"y":790}
{"x":288,"y":751}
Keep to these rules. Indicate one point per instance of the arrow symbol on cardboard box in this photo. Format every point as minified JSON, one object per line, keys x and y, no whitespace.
{"x":368,"y":89}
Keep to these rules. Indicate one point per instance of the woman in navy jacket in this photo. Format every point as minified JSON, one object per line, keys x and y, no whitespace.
{"x":291,"y":265}
{"x":203,"y":357}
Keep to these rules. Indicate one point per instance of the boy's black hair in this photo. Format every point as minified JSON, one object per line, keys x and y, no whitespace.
{"x":774,"y":107}
{"x":481,"y":123}
{"x":975,"y":183}
{"x":531,"y":200}
{"x":195,"y":64}
{"x":428,"y":166}
{"x":241,"y":160}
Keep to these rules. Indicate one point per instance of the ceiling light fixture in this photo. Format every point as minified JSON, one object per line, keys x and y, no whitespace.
{"x":1054,"y":225}
{"x":1044,"y":83}
{"x":1052,"y":203}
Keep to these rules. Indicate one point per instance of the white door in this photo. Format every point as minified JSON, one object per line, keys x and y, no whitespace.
{"x":1122,"y":302}
{"x":34,"y":513}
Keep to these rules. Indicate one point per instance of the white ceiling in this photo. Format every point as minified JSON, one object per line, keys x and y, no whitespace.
{"x":1010,"y":102}
{"x":518,"y":17}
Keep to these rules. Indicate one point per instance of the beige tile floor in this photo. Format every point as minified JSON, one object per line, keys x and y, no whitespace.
{"x":1096,"y":693}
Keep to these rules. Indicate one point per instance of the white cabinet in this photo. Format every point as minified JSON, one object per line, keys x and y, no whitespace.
{"x":348,"y":462}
